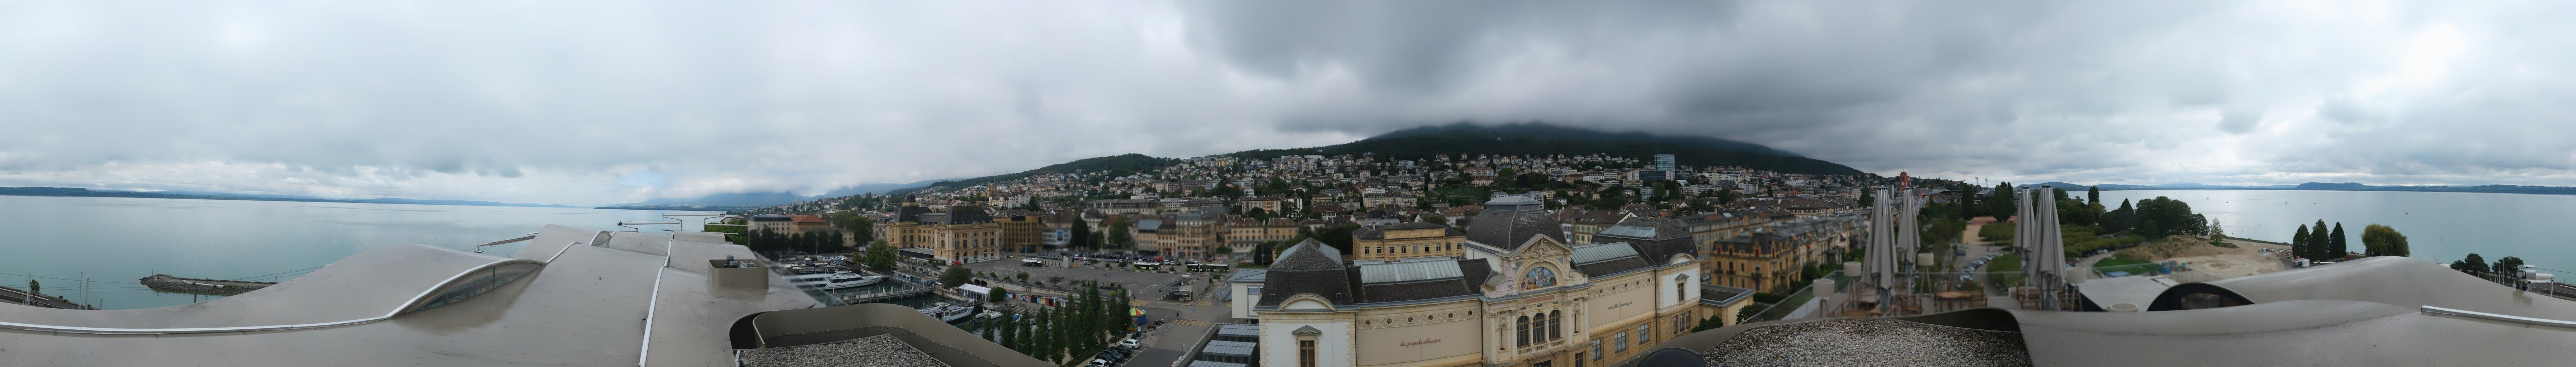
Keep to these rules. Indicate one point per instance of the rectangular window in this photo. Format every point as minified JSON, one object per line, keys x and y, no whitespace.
{"x":1596,"y":350}
{"x":1622,"y":342}
{"x":1645,"y":333}
{"x":1305,"y":353}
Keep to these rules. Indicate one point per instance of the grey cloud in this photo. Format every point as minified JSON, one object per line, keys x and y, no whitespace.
{"x":566,"y":100}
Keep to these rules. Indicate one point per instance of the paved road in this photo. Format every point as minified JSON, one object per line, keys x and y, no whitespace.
{"x":1149,"y":285}
{"x":1978,"y":249}
{"x":1166,"y":345}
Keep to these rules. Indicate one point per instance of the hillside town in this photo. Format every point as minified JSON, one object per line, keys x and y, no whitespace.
{"x":1761,"y":227}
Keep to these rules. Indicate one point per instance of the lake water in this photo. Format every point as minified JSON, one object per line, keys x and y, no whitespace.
{"x":2439,"y":226}
{"x":115,"y":241}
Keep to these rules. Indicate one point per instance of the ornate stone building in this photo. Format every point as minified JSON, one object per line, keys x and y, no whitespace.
{"x":963,"y":233}
{"x":1518,"y":295}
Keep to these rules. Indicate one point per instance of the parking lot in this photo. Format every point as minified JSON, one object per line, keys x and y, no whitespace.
{"x":1149,"y":285}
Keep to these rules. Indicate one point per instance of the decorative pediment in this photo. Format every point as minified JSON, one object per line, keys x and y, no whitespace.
{"x":1540,"y":246}
{"x":1307,"y":330}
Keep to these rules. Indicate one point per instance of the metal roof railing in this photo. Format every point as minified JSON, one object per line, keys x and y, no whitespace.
{"x":2500,"y":317}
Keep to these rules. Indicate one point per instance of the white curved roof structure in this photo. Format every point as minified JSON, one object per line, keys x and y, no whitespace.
{"x":584,"y":304}
{"x":2379,"y":311}
{"x":2398,"y":281}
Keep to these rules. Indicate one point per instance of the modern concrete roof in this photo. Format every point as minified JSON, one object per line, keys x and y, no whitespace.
{"x":2137,"y":291}
{"x":947,"y":343}
{"x":587,"y":305}
{"x":2399,"y":281}
{"x":2379,"y":311}
{"x":371,"y":284}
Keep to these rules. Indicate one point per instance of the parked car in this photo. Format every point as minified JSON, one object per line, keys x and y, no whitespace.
{"x":1099,"y":363}
{"x":1129,"y":343}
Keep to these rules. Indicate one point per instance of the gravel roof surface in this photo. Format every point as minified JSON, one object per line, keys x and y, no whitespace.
{"x":1868,"y":342}
{"x":874,"y":351}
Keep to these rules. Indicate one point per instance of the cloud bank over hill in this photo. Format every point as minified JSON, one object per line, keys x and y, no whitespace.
{"x":595,"y":102}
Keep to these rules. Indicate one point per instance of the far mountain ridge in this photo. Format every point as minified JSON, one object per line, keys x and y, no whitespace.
{"x":1524,"y":139}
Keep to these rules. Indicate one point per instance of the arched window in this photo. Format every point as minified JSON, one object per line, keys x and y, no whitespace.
{"x":1555,"y":325}
{"x":1522,"y":337}
{"x":474,"y":284}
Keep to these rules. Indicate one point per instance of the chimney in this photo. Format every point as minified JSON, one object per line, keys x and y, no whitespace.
{"x":738,"y":273}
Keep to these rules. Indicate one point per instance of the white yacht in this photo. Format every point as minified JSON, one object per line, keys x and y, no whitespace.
{"x":836,"y":280}
{"x":947,"y":312}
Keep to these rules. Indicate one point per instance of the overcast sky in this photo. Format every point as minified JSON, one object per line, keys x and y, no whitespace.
{"x":599,"y":102}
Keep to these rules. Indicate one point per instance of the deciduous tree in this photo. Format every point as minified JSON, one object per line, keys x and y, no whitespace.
{"x":2473,"y":264}
{"x":2381,"y":240}
{"x":955,"y":275}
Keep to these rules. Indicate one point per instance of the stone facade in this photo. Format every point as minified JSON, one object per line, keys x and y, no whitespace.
{"x":1408,"y":240}
{"x":1537,"y":302}
{"x":963,"y":233}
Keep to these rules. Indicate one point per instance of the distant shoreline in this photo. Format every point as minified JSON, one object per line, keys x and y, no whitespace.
{"x":79,"y":192}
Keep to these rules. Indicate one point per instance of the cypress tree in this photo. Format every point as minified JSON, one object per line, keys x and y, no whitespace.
{"x":986,"y":325}
{"x":1011,"y":331}
{"x":1042,"y":346}
{"x":1083,"y":321}
{"x":2093,"y":195}
{"x":2299,"y":244}
{"x":1055,"y":342}
{"x":2317,"y":238}
{"x":2336,"y":241}
{"x":1119,"y":317}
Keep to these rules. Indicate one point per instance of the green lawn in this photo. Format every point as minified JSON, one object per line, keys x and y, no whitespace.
{"x":2007,"y":263}
{"x":2122,"y":263}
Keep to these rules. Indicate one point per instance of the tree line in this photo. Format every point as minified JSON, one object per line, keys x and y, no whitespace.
{"x":1068,"y":334}
{"x":2321,"y":242}
{"x":2154,"y":218}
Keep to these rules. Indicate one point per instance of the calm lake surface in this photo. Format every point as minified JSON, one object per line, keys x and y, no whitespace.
{"x":2439,"y":226}
{"x":114,"y":241}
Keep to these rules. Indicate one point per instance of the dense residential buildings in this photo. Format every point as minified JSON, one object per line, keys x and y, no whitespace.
{"x":1407,"y":240}
{"x":1245,"y":234}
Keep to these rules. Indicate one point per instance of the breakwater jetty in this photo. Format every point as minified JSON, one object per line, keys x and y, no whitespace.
{"x":23,"y":297}
{"x":212,"y":287}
